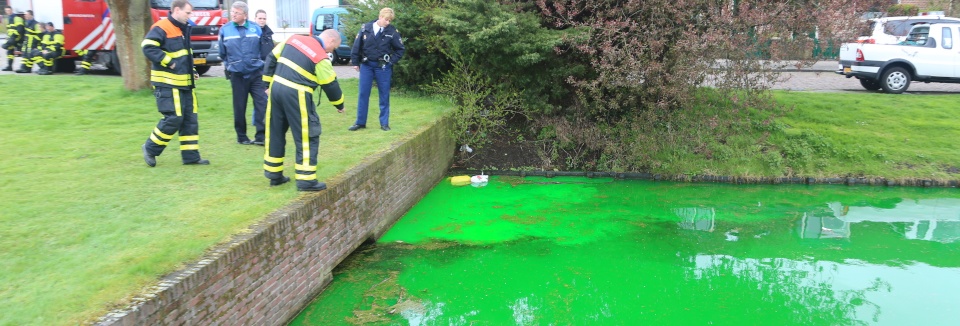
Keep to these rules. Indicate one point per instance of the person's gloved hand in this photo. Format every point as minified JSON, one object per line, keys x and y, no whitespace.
{"x":226,"y":74}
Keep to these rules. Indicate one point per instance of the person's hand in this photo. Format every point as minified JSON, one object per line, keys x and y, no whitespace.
{"x":357,"y":68}
{"x":196,"y":75}
{"x":173,"y":65}
{"x":45,"y":52}
{"x":267,"y":91}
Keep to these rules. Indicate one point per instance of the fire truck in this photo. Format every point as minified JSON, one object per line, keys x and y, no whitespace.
{"x":86,"y":25}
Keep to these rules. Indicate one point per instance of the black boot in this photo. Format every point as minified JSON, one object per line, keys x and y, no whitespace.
{"x":80,"y":72}
{"x":44,"y":71}
{"x":9,"y":65}
{"x":279,"y":181}
{"x":312,"y":185}
{"x":24,"y":69}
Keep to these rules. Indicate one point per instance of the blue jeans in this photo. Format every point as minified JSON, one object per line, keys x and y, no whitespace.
{"x":368,"y":71}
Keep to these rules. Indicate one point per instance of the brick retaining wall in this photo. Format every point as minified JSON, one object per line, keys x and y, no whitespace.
{"x":266,"y":276}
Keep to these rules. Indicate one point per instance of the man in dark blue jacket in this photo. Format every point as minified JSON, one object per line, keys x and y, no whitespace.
{"x":377,"y":48}
{"x":266,"y":40}
{"x":241,"y":53}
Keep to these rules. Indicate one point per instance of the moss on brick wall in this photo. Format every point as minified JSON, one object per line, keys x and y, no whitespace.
{"x":266,"y":276}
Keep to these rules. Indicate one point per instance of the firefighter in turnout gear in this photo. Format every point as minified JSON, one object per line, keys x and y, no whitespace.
{"x":51,"y":48}
{"x":294,"y":70}
{"x":167,"y":46}
{"x":31,"y":41}
{"x":14,"y":35}
{"x":86,"y":62}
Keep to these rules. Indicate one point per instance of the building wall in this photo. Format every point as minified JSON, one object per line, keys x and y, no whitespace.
{"x":266,"y":276}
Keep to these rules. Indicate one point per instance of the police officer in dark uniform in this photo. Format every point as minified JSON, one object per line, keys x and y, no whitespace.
{"x":294,"y":70}
{"x":377,"y":48}
{"x":31,"y":40}
{"x":14,"y":36}
{"x":167,"y":46}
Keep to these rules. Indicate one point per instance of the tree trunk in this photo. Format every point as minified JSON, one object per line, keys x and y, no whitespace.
{"x":131,"y":21}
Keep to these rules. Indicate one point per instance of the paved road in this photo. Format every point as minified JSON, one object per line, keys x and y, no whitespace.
{"x":818,"y":77}
{"x":832,"y":82}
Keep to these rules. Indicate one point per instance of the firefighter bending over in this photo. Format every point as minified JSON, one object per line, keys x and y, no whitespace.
{"x":293,"y":70}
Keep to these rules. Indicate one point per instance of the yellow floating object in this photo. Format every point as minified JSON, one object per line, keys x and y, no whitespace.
{"x":460,"y":180}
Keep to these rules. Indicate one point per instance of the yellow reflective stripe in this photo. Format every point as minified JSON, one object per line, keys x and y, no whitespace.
{"x":307,"y":168}
{"x":278,"y":49}
{"x":275,"y":160}
{"x":306,"y":176}
{"x":340,"y":101}
{"x":298,"y":69}
{"x":178,"y":53}
{"x":325,"y":73}
{"x":166,"y":60}
{"x":149,"y":42}
{"x":164,"y":74}
{"x":157,"y":140}
{"x":288,"y":83}
{"x":169,"y":81}
{"x":158,"y":132}
{"x":193,"y":92}
{"x":273,"y":168}
{"x":176,"y":102}
{"x":305,"y":128}
{"x":267,"y":78}
{"x":190,"y":138}
{"x":190,"y":147}
{"x":266,"y":139}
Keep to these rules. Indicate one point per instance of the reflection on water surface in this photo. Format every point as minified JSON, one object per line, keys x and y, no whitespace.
{"x":575,"y":251}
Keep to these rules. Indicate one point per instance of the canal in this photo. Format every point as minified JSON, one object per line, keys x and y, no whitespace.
{"x":586,"y":251}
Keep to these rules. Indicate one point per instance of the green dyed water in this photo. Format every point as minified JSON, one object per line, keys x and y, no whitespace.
{"x":579,"y":251}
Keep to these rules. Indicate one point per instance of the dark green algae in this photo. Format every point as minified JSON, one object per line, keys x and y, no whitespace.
{"x":581,"y":251}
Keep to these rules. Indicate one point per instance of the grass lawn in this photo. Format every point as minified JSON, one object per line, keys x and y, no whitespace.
{"x":870,"y":134}
{"x":820,"y":134}
{"x":86,"y":224}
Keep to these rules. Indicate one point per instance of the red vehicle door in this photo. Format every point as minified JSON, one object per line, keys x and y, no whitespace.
{"x":87,"y":25}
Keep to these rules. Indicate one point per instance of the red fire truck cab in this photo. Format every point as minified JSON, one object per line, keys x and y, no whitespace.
{"x":86,"y":25}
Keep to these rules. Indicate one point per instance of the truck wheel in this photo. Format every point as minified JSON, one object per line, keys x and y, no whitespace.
{"x":895,"y":80}
{"x":115,"y":63}
{"x":334,"y":59}
{"x":202,"y":69}
{"x":870,"y":84}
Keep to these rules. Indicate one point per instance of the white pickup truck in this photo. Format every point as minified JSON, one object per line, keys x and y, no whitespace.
{"x":885,"y":30}
{"x":929,"y":54}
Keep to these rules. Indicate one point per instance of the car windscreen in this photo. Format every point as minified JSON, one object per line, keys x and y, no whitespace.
{"x":197,"y":4}
{"x":902,"y":27}
{"x":323,"y":22}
